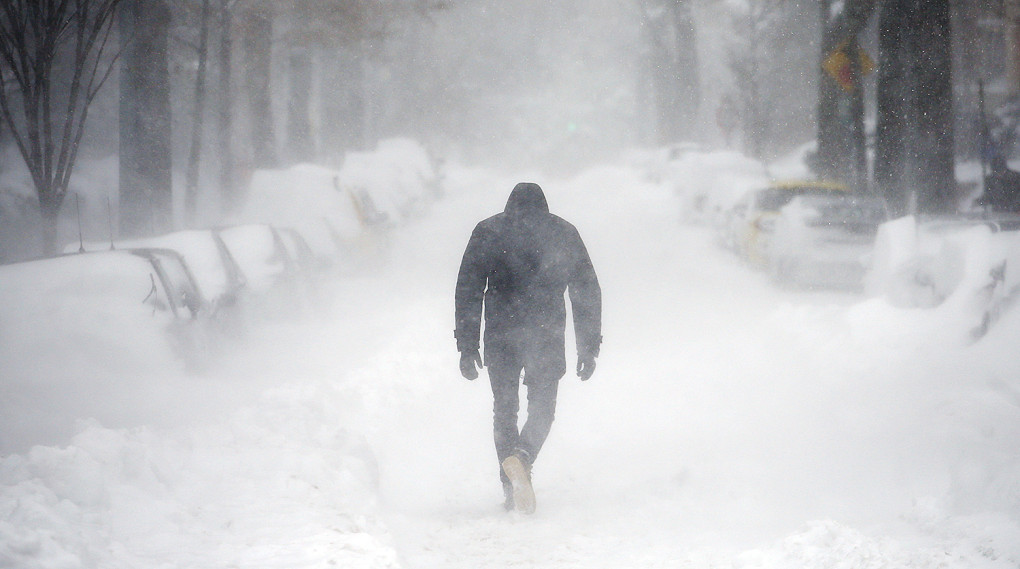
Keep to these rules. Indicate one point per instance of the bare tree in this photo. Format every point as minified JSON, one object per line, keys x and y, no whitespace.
{"x":225,"y":112}
{"x":46,"y":117}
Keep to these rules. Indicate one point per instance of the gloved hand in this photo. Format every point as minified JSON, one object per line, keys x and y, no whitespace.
{"x":470,"y":361}
{"x":585,"y":366}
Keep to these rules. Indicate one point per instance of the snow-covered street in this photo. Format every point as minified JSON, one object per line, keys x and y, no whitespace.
{"x":729,"y":424}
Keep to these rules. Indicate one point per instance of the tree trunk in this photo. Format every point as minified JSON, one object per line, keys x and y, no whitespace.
{"x":892,"y":107}
{"x":674,"y":80}
{"x":830,"y":135}
{"x":258,"y":50}
{"x":753,"y":113}
{"x":331,"y":106}
{"x":49,"y":211}
{"x":299,"y":126}
{"x":1011,"y":13}
{"x":225,"y":116}
{"x":343,"y":109}
{"x":967,"y":69}
{"x":146,"y":204}
{"x":933,"y":62}
{"x":914,"y":148}
{"x":197,"y":121}
{"x":688,"y":84}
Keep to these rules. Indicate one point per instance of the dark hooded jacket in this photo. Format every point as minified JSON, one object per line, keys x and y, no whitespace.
{"x":518,"y":264}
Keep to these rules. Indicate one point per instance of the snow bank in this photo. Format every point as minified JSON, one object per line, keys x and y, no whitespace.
{"x":831,"y":545}
{"x":279,"y":484}
{"x":397,"y":178}
{"x":706,"y":182}
{"x":965,"y":269}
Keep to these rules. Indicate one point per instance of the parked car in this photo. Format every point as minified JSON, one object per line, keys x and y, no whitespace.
{"x":751,"y":221}
{"x":213,"y":267}
{"x":114,"y":298}
{"x":825,"y":240}
{"x":277,"y":265}
{"x":260,"y":253}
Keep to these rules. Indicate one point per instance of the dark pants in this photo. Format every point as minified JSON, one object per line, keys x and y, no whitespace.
{"x":505,"y":377}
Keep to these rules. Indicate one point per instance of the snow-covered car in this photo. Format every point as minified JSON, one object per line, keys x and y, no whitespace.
{"x":276,"y":281}
{"x":307,"y":199}
{"x":101,"y":304}
{"x":967,"y":263}
{"x":752,"y":219}
{"x":209,"y":260}
{"x":260,"y":252}
{"x":825,"y":240}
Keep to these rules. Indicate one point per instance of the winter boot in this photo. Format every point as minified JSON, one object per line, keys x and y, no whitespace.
{"x":518,"y":470}
{"x":508,"y":497}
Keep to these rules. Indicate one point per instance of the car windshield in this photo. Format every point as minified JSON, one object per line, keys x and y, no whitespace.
{"x":846,"y":209}
{"x":773,"y":199}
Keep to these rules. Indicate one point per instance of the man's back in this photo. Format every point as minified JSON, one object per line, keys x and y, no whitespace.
{"x":521,"y":261}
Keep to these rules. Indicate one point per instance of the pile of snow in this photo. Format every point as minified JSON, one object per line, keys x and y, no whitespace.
{"x":397,"y":178}
{"x":794,"y":166}
{"x":706,"y":182}
{"x":77,"y":332}
{"x":963,"y":268}
{"x":834,"y":545}
{"x":278,"y":484}
{"x":710,"y":182}
{"x":307,"y":198}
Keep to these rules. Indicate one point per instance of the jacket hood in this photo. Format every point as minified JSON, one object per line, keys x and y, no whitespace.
{"x":525,"y":200}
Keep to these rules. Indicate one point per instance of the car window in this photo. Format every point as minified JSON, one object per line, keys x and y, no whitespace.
{"x":181,"y":287}
{"x":850,"y":213}
{"x":773,"y":199}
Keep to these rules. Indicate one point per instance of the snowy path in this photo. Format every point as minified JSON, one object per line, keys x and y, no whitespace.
{"x":729,"y":424}
{"x":724,"y":415}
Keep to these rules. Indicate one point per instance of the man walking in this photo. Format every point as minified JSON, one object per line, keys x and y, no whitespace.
{"x":518,"y":264}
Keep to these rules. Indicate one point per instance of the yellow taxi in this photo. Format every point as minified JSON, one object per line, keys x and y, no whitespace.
{"x":753,"y":218}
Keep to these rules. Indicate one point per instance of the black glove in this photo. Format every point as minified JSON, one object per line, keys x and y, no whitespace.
{"x":585,"y":367}
{"x":470,"y":361}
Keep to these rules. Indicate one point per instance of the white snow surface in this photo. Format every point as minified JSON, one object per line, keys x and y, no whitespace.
{"x":729,"y":424}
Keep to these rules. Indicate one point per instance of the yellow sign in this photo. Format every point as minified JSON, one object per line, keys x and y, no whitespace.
{"x":837,"y":65}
